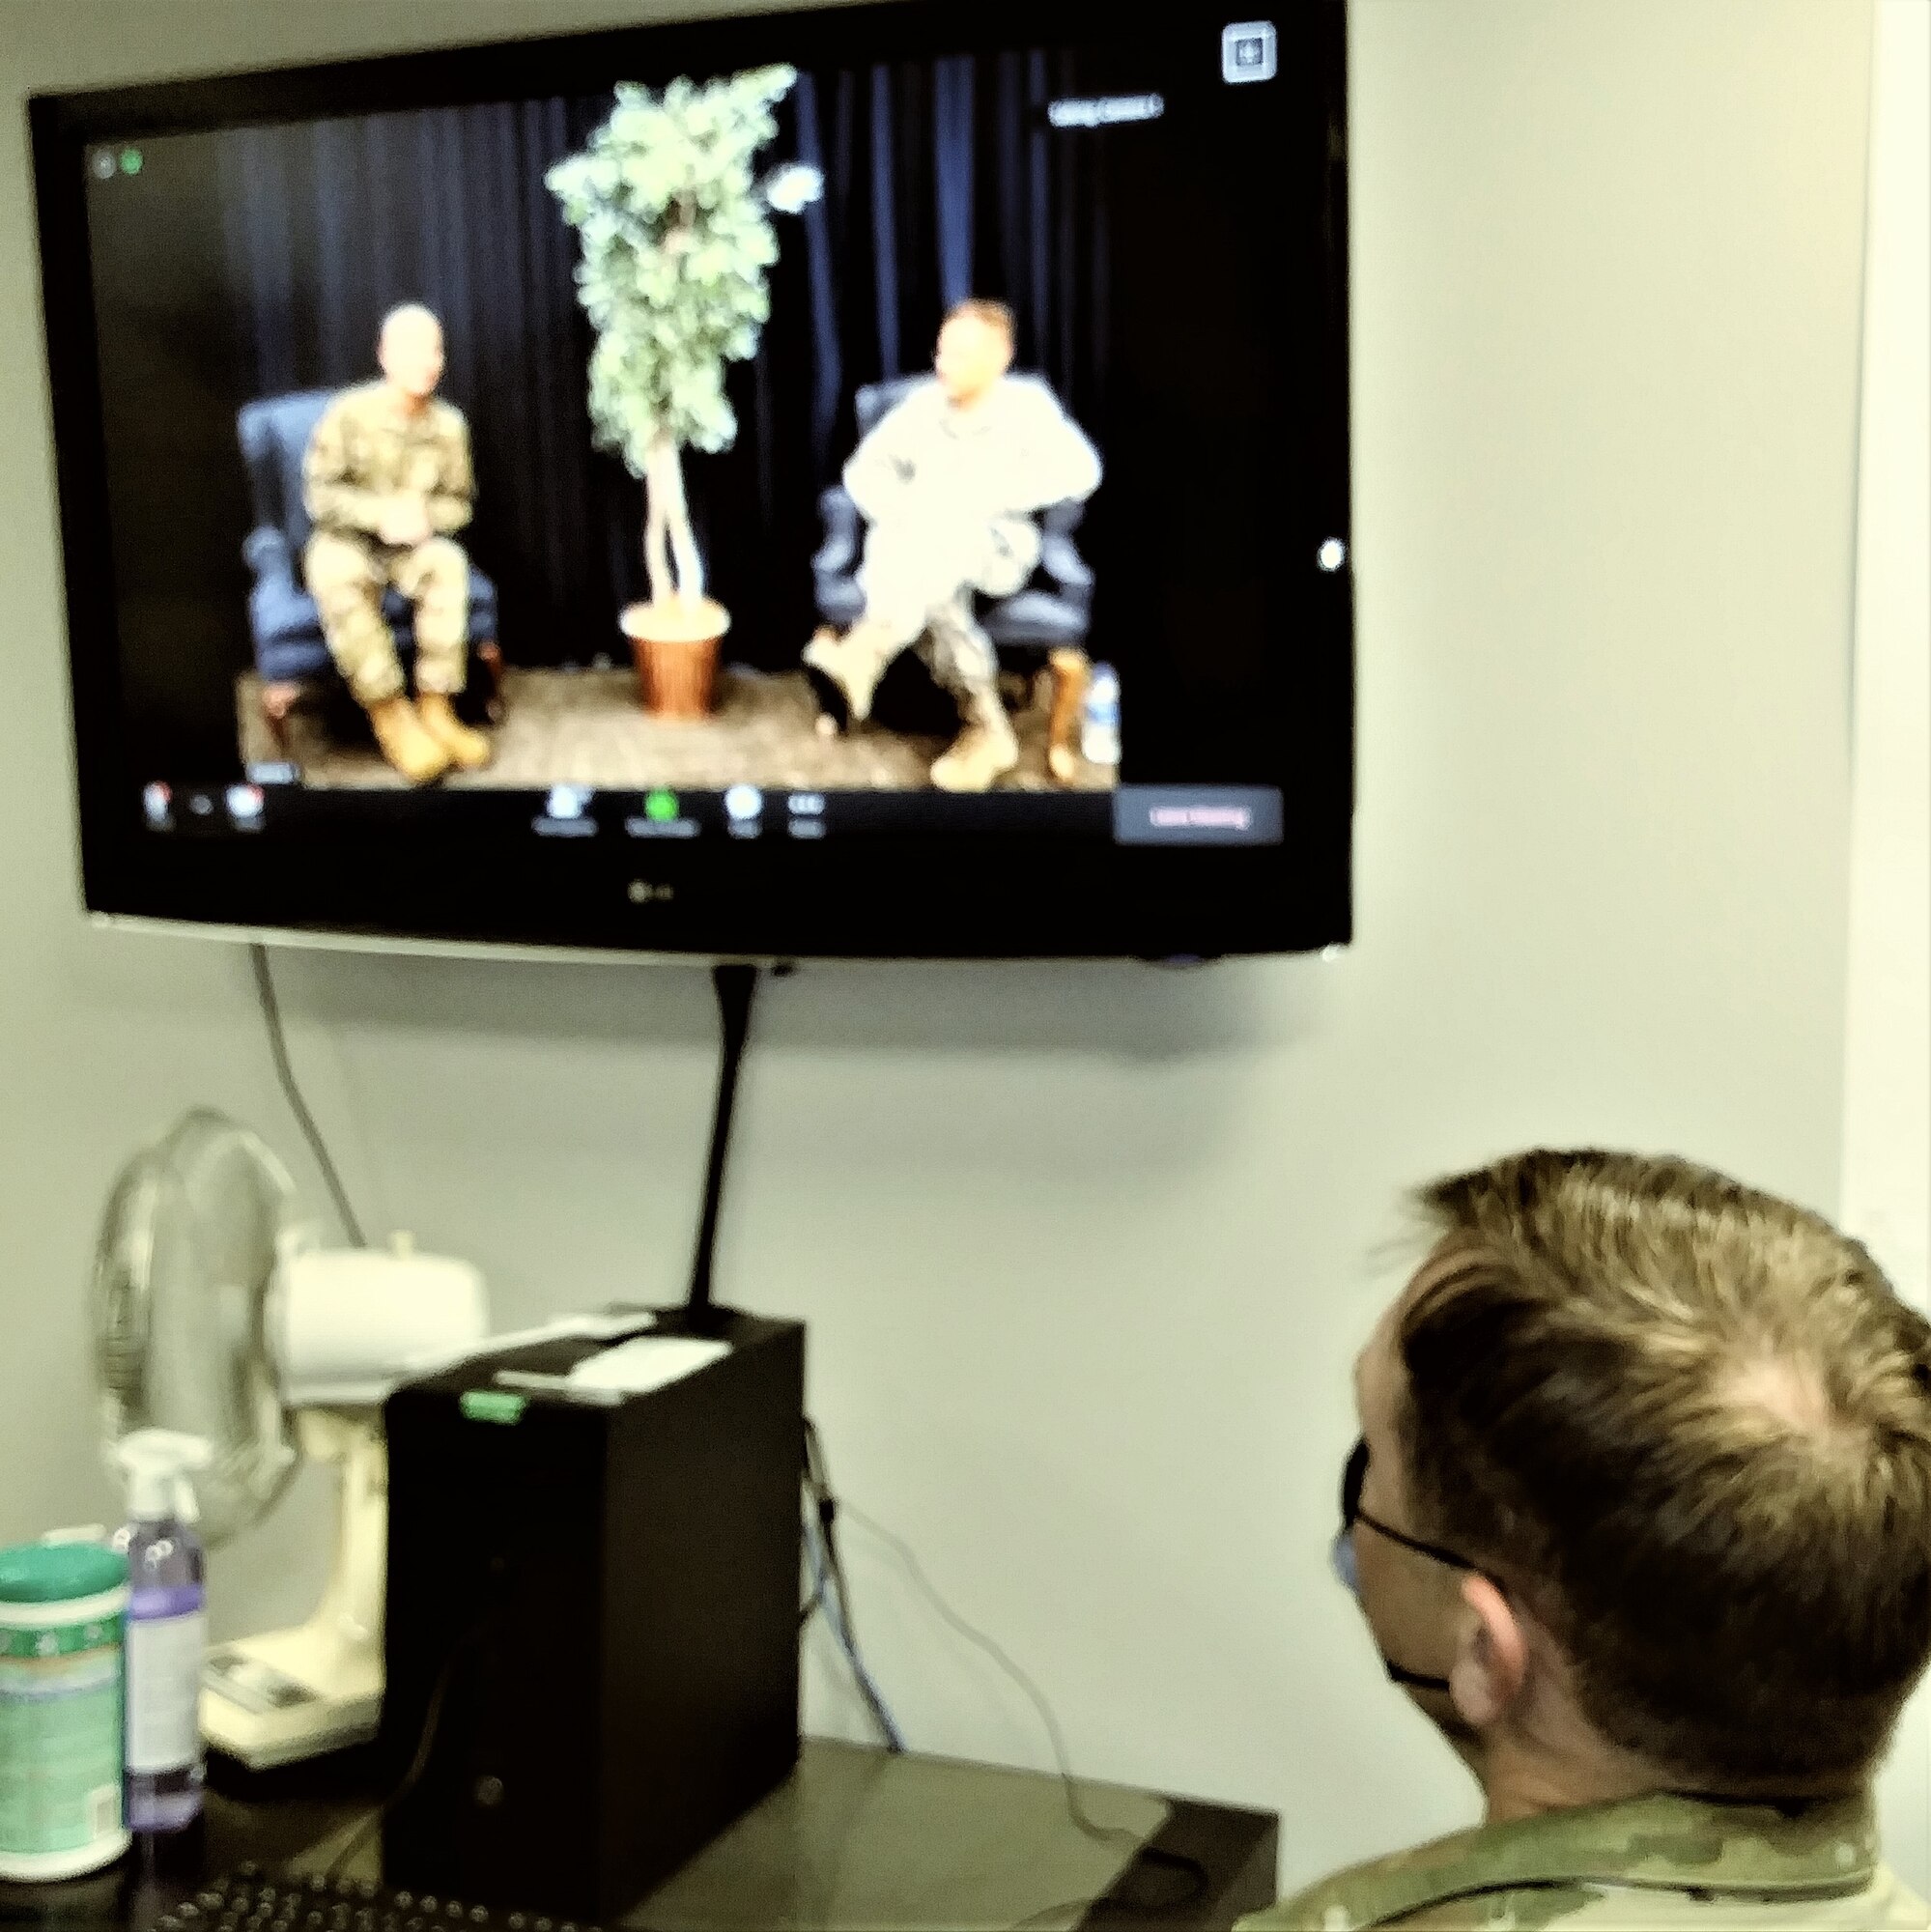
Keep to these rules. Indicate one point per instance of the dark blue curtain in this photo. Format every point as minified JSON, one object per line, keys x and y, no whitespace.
{"x":941,"y":182}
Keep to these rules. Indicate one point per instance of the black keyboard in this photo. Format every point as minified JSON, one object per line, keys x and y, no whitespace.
{"x":250,"y":1899}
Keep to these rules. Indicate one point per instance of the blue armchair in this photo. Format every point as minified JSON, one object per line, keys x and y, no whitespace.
{"x":286,"y":629}
{"x":1050,"y":616}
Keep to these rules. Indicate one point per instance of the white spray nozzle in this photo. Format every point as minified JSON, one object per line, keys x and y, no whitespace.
{"x":159,"y":1466}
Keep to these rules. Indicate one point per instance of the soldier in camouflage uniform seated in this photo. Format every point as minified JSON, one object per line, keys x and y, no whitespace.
{"x":1642,"y":1520}
{"x":387,"y":482}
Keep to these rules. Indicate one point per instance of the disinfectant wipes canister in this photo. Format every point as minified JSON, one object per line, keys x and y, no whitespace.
{"x":62,"y":1608}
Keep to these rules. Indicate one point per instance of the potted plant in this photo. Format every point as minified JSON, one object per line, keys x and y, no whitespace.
{"x":677,"y":237}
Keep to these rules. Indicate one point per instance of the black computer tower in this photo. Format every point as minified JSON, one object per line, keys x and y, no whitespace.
{"x":592,"y":1627}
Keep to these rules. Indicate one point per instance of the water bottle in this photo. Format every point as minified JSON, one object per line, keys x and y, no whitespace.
{"x":1099,"y":725}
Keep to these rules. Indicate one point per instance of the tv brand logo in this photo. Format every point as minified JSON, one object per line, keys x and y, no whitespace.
{"x":646,"y":891}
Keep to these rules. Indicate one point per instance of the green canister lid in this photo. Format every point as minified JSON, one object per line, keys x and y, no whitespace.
{"x":53,"y":1573}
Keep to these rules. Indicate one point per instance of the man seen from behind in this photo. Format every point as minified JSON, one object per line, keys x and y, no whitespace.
{"x":1640,"y":1520}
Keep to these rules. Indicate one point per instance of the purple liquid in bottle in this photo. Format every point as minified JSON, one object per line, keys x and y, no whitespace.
{"x":167,"y":1621}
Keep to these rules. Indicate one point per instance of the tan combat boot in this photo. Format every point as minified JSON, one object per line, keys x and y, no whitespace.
{"x":404,"y":742}
{"x":984,"y":750}
{"x":1071,"y":675}
{"x":854,"y":662}
{"x":469,"y":750}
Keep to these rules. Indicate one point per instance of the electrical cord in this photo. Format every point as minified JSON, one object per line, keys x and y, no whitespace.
{"x":1076,"y":1809}
{"x":272,"y":1016}
{"x":895,"y":1741}
{"x":1195,"y":1891}
{"x":1083,"y":1820}
{"x":818,"y":1480}
{"x":812,"y":1604}
{"x":830,"y":1590}
{"x":431,"y":1718}
{"x":735,"y":986}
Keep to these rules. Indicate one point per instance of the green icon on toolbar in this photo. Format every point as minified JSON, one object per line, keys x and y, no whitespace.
{"x":130,"y":161}
{"x":661,"y":806}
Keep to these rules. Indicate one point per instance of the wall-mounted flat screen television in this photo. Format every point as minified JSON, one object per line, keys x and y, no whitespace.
{"x":869,"y":482}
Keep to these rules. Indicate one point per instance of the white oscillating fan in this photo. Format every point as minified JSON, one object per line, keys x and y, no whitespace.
{"x":217,"y":1314}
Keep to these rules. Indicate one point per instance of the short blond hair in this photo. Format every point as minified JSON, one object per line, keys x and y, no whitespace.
{"x":983,"y":309}
{"x":1691,"y":1424}
{"x":409,"y":312}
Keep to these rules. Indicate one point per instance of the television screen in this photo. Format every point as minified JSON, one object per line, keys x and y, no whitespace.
{"x":870,"y":482}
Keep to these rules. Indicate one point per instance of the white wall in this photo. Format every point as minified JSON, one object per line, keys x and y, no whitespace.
{"x":1886,"y":1173}
{"x":1086,"y":1251}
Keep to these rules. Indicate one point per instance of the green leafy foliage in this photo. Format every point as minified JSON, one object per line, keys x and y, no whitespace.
{"x":676,"y":239}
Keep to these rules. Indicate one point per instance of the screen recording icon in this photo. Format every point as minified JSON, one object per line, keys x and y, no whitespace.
{"x":1249,"y":50}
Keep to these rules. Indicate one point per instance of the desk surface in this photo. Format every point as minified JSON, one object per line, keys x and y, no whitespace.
{"x":856,"y":1837}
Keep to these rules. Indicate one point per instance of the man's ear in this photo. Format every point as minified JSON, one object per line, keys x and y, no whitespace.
{"x":1492,"y":1656}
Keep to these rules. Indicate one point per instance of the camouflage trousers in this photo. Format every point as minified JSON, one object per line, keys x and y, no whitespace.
{"x":918,"y":579}
{"x":950,"y":642}
{"x":346,"y":575}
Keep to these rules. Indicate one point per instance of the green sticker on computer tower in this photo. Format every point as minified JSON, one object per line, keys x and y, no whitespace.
{"x":494,"y":1405}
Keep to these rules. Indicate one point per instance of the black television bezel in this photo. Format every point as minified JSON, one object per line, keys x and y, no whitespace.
{"x":993,"y":897}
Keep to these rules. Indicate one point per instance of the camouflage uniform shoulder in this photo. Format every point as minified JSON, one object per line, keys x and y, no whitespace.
{"x":1659,"y":1861}
{"x":925,"y":400}
{"x":371,"y":406}
{"x":363,"y":401}
{"x":445,"y":419}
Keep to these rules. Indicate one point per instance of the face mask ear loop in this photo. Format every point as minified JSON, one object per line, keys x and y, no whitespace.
{"x":1347,"y":1566}
{"x":1414,"y":1680}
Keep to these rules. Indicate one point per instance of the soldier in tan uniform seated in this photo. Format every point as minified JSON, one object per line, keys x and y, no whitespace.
{"x":387,"y":482}
{"x":1640,"y":1520}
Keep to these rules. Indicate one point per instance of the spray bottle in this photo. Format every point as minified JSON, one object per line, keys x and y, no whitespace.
{"x":167,"y":1626}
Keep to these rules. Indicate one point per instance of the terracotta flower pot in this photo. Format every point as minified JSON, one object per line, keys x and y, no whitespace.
{"x":675,"y":644}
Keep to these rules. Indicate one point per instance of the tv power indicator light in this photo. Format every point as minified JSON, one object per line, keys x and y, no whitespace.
{"x":1332,"y":554}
